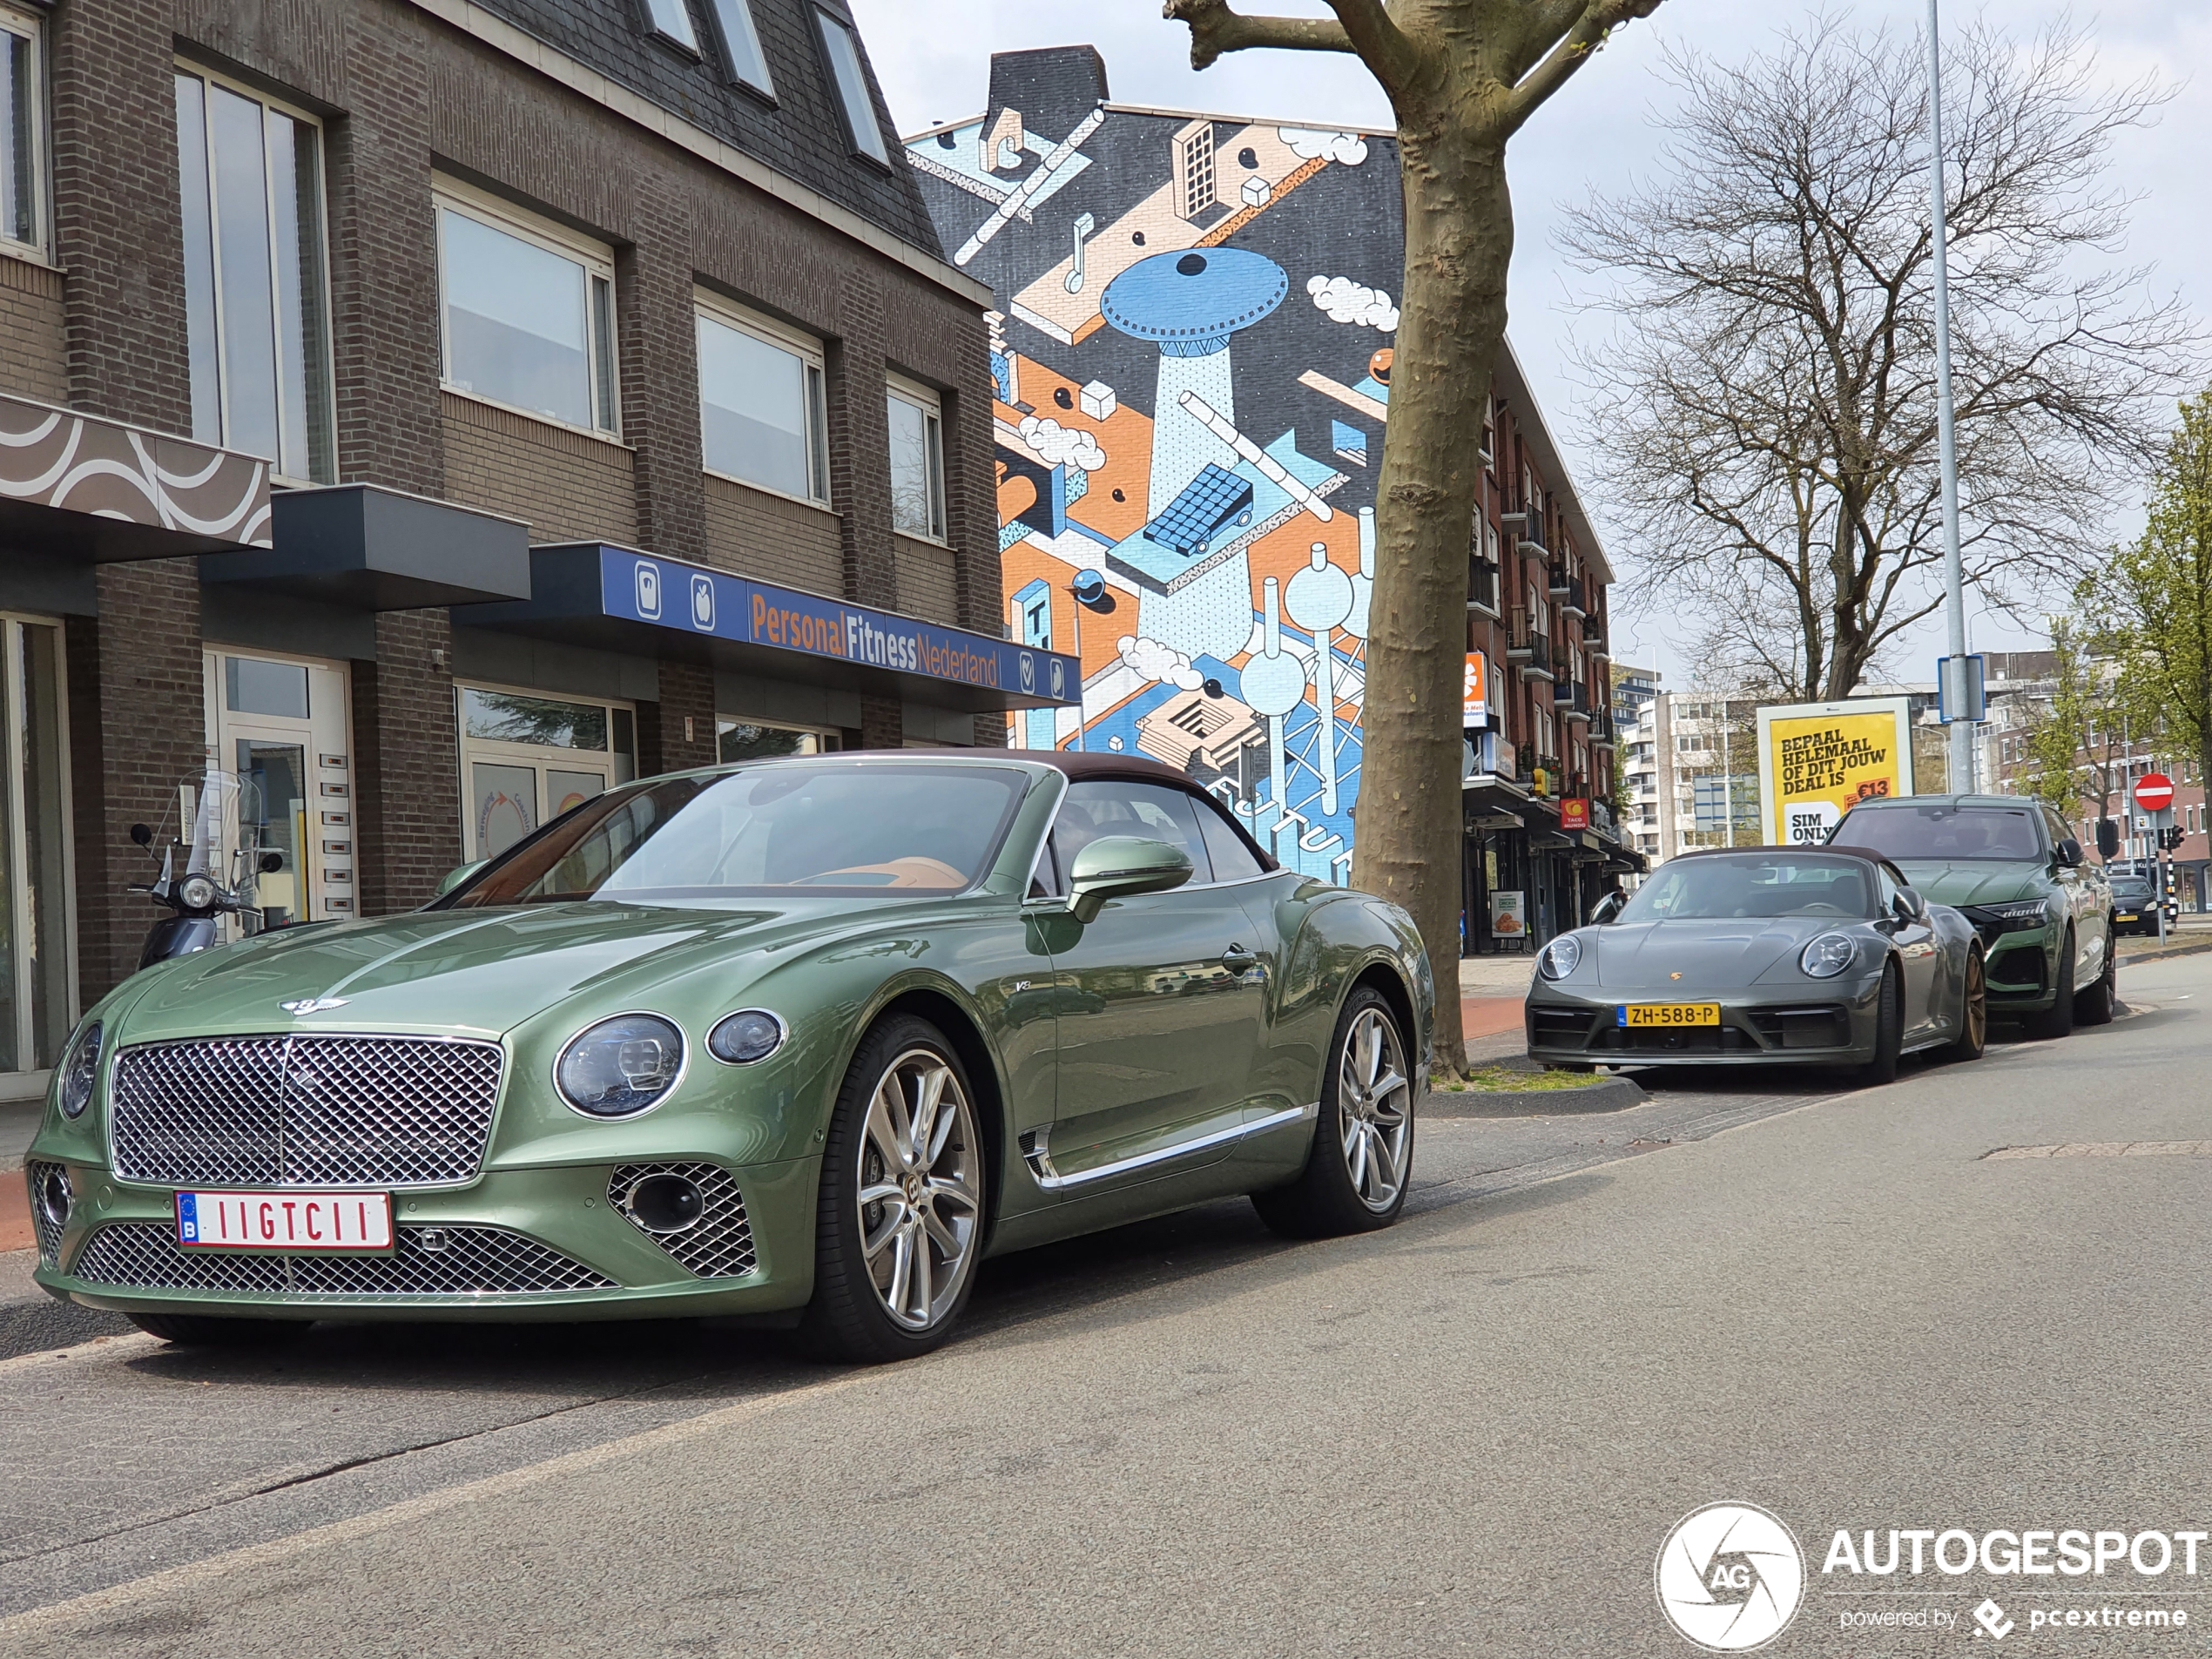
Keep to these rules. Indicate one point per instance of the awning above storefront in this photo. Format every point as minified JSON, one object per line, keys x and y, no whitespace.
{"x":618,"y":599}
{"x":103,"y":492}
{"x":381,"y":549}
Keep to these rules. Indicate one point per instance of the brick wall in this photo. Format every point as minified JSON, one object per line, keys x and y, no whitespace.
{"x":407,"y":747}
{"x":686,"y":692}
{"x":753,"y":532}
{"x":928,"y":580}
{"x":567,"y":486}
{"x":136,"y":730}
{"x":34,"y":360}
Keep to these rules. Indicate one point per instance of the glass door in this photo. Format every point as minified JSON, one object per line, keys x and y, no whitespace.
{"x":37,"y":970}
{"x":281,"y":726}
{"x":525,"y":760}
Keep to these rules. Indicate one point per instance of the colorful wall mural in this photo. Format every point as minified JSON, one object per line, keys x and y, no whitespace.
{"x":1192,"y":353}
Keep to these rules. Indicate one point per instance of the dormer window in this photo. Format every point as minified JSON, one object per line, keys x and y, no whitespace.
{"x":841,"y":51}
{"x":741,"y":54}
{"x":670,"y":20}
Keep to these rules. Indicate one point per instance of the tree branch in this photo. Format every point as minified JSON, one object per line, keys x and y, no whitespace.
{"x":1215,"y":29}
{"x":1599,"y":19}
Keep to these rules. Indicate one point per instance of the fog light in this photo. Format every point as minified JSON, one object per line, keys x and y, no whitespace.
{"x":55,"y":1198}
{"x":666,"y":1204}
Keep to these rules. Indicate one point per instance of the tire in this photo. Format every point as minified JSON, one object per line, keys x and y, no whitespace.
{"x":1889,"y":1032}
{"x":2057,"y":1020}
{"x":2094,"y":1005}
{"x":1973,"y":1024}
{"x":923,"y":1186}
{"x":207,"y":1331}
{"x":1362,"y":1158}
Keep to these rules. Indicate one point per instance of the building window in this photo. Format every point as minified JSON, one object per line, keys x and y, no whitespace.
{"x":842,"y":49}
{"x":736,"y":739}
{"x":670,"y":20}
{"x":527,"y":316}
{"x":741,"y":54}
{"x":527,"y":759}
{"x":917,"y":462}
{"x":22,"y":129}
{"x":761,"y":411}
{"x":37,"y":980}
{"x":256,"y":300}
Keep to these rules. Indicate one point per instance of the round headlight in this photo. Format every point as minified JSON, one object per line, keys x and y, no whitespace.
{"x":1560,"y":957}
{"x":79,"y":1065}
{"x":1828,"y":955}
{"x":620,"y":1066}
{"x":746,"y":1036}
{"x":196,"y":893}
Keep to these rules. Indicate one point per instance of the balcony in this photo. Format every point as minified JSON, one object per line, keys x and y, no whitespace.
{"x":1566,"y":589}
{"x":1593,"y":639}
{"x":1531,"y":650}
{"x":1571,"y":701}
{"x":1482,"y":584}
{"x":1529,"y":527}
{"x":1602,"y":728}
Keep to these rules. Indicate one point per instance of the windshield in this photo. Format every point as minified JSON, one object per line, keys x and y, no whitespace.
{"x":2134,"y":886}
{"x":1923,"y":832}
{"x":895,"y":830}
{"x":1761,"y":885}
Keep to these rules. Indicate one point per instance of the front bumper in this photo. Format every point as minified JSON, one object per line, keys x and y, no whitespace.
{"x":523,"y":1244}
{"x":1814,"y":1023}
{"x":2018,"y":968}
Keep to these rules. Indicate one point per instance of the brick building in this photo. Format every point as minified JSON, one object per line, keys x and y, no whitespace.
{"x":436,"y":411}
{"x":1191,"y":353}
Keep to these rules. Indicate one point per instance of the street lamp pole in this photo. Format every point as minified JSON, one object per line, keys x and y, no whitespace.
{"x":1962,"y":731}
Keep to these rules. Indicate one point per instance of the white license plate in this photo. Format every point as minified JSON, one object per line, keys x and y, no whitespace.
{"x":307,"y":1221}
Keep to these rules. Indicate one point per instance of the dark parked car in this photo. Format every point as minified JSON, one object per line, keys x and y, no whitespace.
{"x":2134,"y":905}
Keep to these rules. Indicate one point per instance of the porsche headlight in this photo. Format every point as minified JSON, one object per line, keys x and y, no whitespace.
{"x":1828,"y":955}
{"x":1560,"y":957}
{"x":746,"y":1036}
{"x":79,"y":1066}
{"x":620,"y":1067}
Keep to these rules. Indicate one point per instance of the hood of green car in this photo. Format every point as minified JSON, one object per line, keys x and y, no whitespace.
{"x":468,"y":972}
{"x":1963,"y":881}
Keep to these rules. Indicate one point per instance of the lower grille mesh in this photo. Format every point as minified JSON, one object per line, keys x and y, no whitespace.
{"x":49,"y":1230}
{"x":720,"y":1243}
{"x":474,"y":1261}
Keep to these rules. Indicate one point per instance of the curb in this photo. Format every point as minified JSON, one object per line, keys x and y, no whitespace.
{"x":2156,"y":955}
{"x":1606,"y":1094}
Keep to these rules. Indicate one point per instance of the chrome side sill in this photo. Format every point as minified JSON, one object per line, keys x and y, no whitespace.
{"x":1035,"y":1149}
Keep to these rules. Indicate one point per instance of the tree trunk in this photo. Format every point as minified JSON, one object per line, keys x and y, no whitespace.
{"x":1451,"y":324}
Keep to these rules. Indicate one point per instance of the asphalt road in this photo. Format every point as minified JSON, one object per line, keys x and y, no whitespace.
{"x":1468,"y":1434}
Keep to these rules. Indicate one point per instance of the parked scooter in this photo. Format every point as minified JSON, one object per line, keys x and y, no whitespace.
{"x":198,"y":898}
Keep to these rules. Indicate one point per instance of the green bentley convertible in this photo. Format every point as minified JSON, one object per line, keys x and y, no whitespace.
{"x":802,"y":1040}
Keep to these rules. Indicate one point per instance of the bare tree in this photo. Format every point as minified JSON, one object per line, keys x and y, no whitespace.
{"x":1462,"y":75}
{"x":1766,"y":412}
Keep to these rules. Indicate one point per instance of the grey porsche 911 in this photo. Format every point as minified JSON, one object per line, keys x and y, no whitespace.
{"x":1821,"y":956}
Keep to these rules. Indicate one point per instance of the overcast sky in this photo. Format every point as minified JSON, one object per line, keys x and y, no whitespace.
{"x":933,"y":57}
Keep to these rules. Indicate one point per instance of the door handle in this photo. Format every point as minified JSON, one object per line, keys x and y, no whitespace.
{"x":1238,"y":959}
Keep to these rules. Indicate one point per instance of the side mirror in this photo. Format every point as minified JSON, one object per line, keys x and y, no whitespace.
{"x":142,"y":833}
{"x":2108,"y":839}
{"x":455,"y":878}
{"x":2070,"y":853}
{"x":1608,"y":908}
{"x":1120,"y":866}
{"x":271,"y":863}
{"x":1908,"y":905}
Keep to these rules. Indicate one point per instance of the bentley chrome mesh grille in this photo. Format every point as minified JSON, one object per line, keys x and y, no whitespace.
{"x":48,"y":1230}
{"x":720,"y":1243}
{"x":309,"y":1110}
{"x":427,"y":1262}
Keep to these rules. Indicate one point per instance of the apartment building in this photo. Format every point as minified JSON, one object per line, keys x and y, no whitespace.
{"x":1691,"y":764}
{"x":435,"y":412}
{"x":1191,"y":351}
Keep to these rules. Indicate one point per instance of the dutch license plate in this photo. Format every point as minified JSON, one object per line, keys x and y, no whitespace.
{"x":2127,"y":916}
{"x":1669,"y":1014}
{"x":310,"y":1221}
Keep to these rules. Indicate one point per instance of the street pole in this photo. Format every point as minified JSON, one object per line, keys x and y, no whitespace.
{"x":1962,"y":732}
{"x":1728,"y":775}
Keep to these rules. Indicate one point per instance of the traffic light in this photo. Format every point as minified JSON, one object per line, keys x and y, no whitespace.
{"x":2107,"y":837}
{"x":2171,"y":837}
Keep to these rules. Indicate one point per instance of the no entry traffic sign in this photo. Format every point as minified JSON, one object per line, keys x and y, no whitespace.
{"x":2153,"y":793}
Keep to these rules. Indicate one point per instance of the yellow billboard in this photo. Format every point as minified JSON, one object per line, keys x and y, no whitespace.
{"x":1816,"y":760}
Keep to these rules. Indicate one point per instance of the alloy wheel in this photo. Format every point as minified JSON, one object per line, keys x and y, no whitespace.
{"x":1977,"y":1009}
{"x":921,"y":1195}
{"x":1373,"y":1110}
